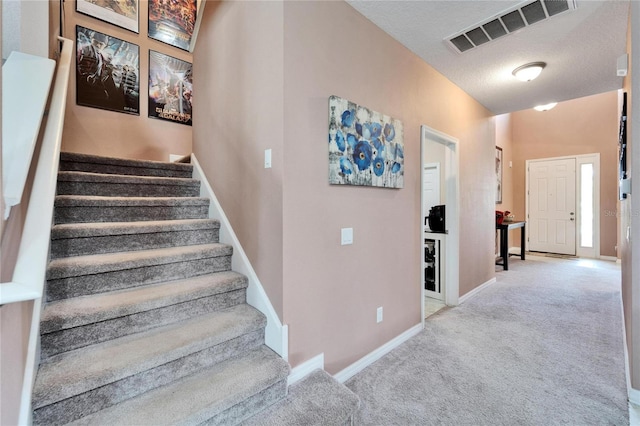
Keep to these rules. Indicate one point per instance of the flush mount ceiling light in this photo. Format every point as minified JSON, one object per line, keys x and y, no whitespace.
{"x":545,"y":107}
{"x":529,"y":71}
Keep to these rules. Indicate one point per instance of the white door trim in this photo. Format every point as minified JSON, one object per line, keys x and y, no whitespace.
{"x":452,"y":217}
{"x":580,"y":159}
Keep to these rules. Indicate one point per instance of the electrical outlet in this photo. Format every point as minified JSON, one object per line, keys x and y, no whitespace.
{"x":379,"y":314}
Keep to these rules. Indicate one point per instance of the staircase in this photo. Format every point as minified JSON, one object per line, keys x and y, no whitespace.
{"x":144,"y":321}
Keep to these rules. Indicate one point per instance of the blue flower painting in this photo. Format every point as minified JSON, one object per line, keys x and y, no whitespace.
{"x":366,"y":148}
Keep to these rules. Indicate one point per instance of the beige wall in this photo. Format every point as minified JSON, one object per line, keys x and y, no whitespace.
{"x":580,"y":126}
{"x":95,"y":131}
{"x":239,"y":115}
{"x":504,"y":139}
{"x":331,"y":292}
{"x":272,"y":67}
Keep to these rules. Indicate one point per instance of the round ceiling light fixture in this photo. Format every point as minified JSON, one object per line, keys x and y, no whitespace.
{"x":545,"y":107}
{"x":529,"y":72}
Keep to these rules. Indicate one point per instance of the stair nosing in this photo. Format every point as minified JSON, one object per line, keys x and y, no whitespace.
{"x":104,"y":201}
{"x":126,"y":162}
{"x":77,"y":266}
{"x":105,"y":229}
{"x":140,"y":299}
{"x":92,"y":177}
{"x":105,"y":362}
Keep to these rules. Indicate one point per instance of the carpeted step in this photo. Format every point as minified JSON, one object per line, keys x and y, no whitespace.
{"x":89,"y":379}
{"x":319,"y":400}
{"x":80,"y":321}
{"x":109,"y":185}
{"x":83,"y":275}
{"x":70,"y":161}
{"x":79,"y":239}
{"x":83,"y":208}
{"x":222,"y":395}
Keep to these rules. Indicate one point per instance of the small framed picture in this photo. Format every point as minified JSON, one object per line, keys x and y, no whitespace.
{"x":123,"y":13}
{"x":172,"y":22}
{"x":107,"y":72}
{"x":170,"y":88}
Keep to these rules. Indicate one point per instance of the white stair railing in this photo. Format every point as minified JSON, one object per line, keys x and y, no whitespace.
{"x":30,"y":270}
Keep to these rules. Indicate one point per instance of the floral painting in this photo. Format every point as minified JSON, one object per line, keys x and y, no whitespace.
{"x":365,"y":147}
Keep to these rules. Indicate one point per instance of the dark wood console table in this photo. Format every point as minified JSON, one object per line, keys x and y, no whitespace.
{"x":504,"y":229}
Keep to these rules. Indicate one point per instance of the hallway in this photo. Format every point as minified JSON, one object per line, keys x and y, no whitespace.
{"x":543,"y":345}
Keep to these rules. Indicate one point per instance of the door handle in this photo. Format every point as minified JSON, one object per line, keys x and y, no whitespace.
{"x":572,"y":219}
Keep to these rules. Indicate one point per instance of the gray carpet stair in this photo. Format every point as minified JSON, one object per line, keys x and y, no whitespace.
{"x":101,"y":184}
{"x":77,"y":239}
{"x":71,"y":161}
{"x":317,"y":400}
{"x":82,"y":275}
{"x":80,"y":321}
{"x":144,"y":320}
{"x":223,"y":395}
{"x":86,"y":208}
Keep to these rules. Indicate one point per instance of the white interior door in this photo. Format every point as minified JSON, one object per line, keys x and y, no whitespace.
{"x":552,"y":206}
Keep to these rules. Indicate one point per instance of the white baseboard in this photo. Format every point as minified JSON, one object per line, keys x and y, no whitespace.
{"x":477,"y":290}
{"x":634,"y":396}
{"x":347,"y":373}
{"x":276,"y":335}
{"x":609,"y":258}
{"x":301,"y":371}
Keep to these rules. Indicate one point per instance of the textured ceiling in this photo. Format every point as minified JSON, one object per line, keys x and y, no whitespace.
{"x":580,"y":47}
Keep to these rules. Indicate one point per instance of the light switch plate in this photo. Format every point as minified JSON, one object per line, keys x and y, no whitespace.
{"x":267,"y":158}
{"x":346,"y":235}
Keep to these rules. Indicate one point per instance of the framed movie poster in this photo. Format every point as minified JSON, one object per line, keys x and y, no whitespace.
{"x":172,"y":22}
{"x":170,"y":88}
{"x":123,"y":13}
{"x":107,"y":72}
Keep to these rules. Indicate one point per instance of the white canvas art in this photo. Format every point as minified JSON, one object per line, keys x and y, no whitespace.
{"x":365,"y":147}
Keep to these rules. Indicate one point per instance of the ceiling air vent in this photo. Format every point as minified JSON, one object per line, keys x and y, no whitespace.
{"x":507,"y":22}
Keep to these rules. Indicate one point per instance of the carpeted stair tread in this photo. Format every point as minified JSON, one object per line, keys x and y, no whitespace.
{"x":71,"y":176}
{"x":75,"y":372}
{"x":114,"y":185}
{"x":79,"y":239}
{"x":98,"y":201}
{"x":102,"y":263}
{"x":78,"y":311}
{"x":101,"y":229}
{"x":84,"y":162}
{"x":86,"y":208}
{"x":213,"y":396}
{"x":318,"y":399}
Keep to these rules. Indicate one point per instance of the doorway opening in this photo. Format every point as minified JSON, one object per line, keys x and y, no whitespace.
{"x":443,"y":150}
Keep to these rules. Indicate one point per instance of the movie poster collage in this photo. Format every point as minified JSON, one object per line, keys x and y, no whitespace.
{"x":108,"y":68}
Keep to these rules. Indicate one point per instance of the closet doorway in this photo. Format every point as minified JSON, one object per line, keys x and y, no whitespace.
{"x":433,"y":141}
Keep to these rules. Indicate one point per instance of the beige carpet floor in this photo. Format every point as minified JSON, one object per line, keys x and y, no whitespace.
{"x":541,"y":346}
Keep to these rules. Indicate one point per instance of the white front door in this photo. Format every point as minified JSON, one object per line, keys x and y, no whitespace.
{"x":552,"y":206}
